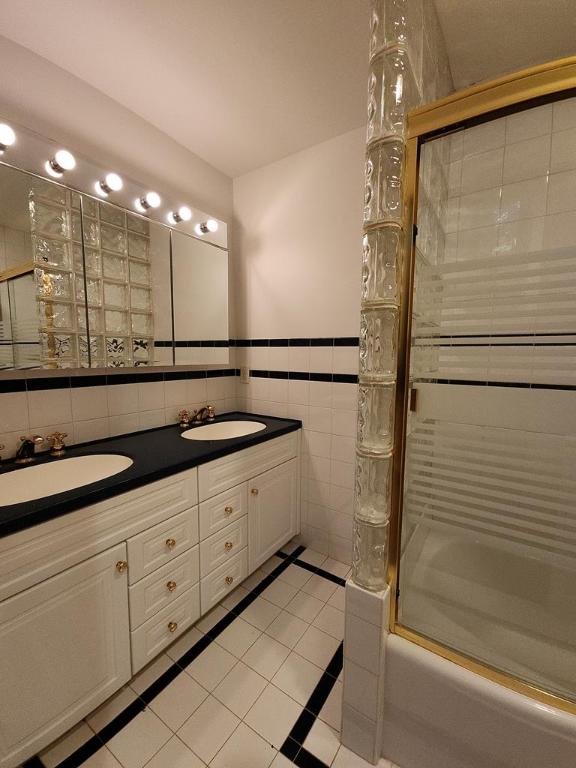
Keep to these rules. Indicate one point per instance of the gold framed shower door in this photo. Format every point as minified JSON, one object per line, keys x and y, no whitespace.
{"x":488,"y":100}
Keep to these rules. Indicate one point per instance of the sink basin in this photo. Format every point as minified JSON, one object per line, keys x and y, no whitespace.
{"x":40,"y":480}
{"x":223,"y":430}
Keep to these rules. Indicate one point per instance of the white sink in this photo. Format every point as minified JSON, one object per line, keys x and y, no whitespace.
{"x":223,"y":430}
{"x":40,"y":480}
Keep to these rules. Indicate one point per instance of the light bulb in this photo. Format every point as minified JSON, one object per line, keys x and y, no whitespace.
{"x":182,"y":214}
{"x":153,"y":199}
{"x":100,"y":189}
{"x":114,"y":182}
{"x":7,"y":137}
{"x":212,"y":225}
{"x":61,"y":162}
{"x":139,"y":205}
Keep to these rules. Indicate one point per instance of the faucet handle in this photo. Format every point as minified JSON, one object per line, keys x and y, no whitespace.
{"x":36,"y":439}
{"x":210,"y":412}
{"x":184,"y":418}
{"x":57,"y":443}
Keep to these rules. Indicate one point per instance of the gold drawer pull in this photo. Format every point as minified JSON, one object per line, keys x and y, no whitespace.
{"x":228,"y":546}
{"x":121,"y":566}
{"x":228,"y":510}
{"x":171,"y":586}
{"x":170,"y":543}
{"x":254,"y":491}
{"x":229,"y":580}
{"x":172,"y":626}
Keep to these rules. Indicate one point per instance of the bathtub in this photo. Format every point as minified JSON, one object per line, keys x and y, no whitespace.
{"x":439,"y":715}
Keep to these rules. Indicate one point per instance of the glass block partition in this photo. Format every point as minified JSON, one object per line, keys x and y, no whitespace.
{"x":408,"y":67}
{"x":93,"y":281}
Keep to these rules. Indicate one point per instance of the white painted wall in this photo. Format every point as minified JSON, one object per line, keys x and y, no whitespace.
{"x":41,"y":96}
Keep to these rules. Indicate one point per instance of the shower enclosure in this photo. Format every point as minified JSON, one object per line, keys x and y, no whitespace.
{"x":482,"y":550}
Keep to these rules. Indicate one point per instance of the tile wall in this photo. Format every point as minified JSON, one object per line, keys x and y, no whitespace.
{"x":313,"y":380}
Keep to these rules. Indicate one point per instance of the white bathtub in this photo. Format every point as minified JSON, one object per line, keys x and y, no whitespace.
{"x":438,"y":715}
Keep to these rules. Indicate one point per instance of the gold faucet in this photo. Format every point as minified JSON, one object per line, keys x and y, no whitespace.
{"x":25,"y":454}
{"x":184,"y":419}
{"x":207,"y":413}
{"x":57,"y":447}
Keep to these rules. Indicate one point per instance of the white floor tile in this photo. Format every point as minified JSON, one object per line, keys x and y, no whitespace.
{"x":290,"y":547}
{"x":287,"y":629}
{"x":102,"y":759}
{"x":111,"y":709}
{"x":273,"y":715}
{"x":151,"y":673}
{"x":261,"y":613}
{"x":297,"y":677}
{"x":183,"y":644}
{"x":211,"y":666}
{"x":208,"y":728}
{"x":244,"y":749}
{"x":238,"y":637}
{"x":317,"y":646}
{"x":67,"y":744}
{"x":312,"y":557}
{"x":319,"y":587}
{"x":175,"y":754}
{"x":338,"y":599}
{"x":135,"y":744}
{"x":331,"y":620}
{"x":331,"y":712}
{"x":295,"y":576}
{"x":232,"y":600}
{"x":336,"y":567}
{"x":323,"y":742}
{"x":240,"y":689}
{"x":280,"y":593}
{"x":272,"y":563}
{"x":305,"y":606}
{"x":254,"y":579}
{"x":266,"y":656}
{"x":178,"y":701}
{"x":209,"y":621}
{"x":281,"y":762}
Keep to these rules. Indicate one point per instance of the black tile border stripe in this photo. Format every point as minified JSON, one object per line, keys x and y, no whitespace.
{"x":304,"y":722}
{"x":337,"y":378}
{"x":337,"y":341}
{"x":509,"y":384}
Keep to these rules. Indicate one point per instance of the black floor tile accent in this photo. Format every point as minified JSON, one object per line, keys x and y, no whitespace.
{"x":315,"y":569}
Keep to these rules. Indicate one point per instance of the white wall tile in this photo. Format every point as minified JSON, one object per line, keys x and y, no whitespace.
{"x":527,"y":159}
{"x":124,"y":424}
{"x":562,"y":192}
{"x":196,"y":391}
{"x":122,"y":399}
{"x":321,"y":359}
{"x":298,"y":392}
{"x":317,"y":443}
{"x":482,"y":138}
{"x":344,"y":422}
{"x":298,"y":358}
{"x":477,"y":243}
{"x":344,"y":396}
{"x":524,"y":200}
{"x":151,"y":419}
{"x":361,"y":690}
{"x":345,"y":360}
{"x":560,"y":230}
{"x":362,"y":643}
{"x":563,"y":156}
{"x":529,"y":123}
{"x":320,"y":393}
{"x":150,"y":395}
{"x":89,"y":403}
{"x":91,"y":429}
{"x":49,"y":406}
{"x":13,"y":412}
{"x":522,"y":236}
{"x":319,"y":419}
{"x":482,"y":171}
{"x":278,"y":390}
{"x":343,"y":448}
{"x":175,"y":393}
{"x":278,"y":358}
{"x":480,"y":209}
{"x":564,"y":114}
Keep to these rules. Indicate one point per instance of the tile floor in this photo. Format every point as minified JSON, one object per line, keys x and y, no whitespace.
{"x":235,"y":704}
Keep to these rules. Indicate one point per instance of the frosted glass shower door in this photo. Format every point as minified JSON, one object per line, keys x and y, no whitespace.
{"x":488,"y":549}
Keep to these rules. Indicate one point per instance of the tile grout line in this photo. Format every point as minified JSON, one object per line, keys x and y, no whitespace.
{"x":99,"y":739}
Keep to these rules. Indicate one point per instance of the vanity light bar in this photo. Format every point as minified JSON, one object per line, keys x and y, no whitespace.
{"x":7,"y":137}
{"x":61,"y":162}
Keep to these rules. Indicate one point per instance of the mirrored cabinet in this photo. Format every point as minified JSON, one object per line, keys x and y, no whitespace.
{"x":87,"y":284}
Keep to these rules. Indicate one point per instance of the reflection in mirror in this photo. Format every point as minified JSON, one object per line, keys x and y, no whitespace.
{"x":200,"y":295}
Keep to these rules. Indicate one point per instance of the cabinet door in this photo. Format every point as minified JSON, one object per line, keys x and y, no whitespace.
{"x":64,"y":649}
{"x":273,"y":511}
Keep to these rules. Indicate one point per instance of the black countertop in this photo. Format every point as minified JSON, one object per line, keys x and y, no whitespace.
{"x":156,"y":453}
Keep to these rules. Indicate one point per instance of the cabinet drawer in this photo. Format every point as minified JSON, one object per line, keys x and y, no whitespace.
{"x":221,"y":474}
{"x":161,"y":543}
{"x":223,"y":580}
{"x":159,"y":631}
{"x":221,"y":510}
{"x":222,"y":546}
{"x":163,"y":587}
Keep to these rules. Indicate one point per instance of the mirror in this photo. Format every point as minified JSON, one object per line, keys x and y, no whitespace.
{"x":200,"y":296}
{"x":84,"y":283}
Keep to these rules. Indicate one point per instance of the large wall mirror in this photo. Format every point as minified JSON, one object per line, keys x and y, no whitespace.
{"x":86,"y":284}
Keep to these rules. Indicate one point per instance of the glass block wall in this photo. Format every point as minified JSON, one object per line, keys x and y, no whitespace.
{"x":408,"y":67}
{"x":114,"y":327}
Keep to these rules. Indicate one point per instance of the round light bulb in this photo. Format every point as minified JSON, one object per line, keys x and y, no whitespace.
{"x":212,"y":225}
{"x":51,"y":171}
{"x":138,"y":206}
{"x":7,"y":136}
{"x":65,"y":159}
{"x":114,"y":182}
{"x":198,"y":230}
{"x":153,"y":199}
{"x":100,"y":189}
{"x":185,"y":213}
{"x":170,"y":218}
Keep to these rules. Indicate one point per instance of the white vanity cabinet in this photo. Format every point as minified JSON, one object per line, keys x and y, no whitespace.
{"x":89,"y":598}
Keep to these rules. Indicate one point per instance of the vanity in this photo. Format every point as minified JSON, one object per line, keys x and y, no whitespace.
{"x":97,"y":580}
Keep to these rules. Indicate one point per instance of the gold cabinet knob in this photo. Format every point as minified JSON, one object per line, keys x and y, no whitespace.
{"x":228,"y":546}
{"x":171,"y":586}
{"x":254,"y":491}
{"x":228,"y":510}
{"x":121,"y":566}
{"x":172,"y":626}
{"x":170,"y":543}
{"x":229,"y":580}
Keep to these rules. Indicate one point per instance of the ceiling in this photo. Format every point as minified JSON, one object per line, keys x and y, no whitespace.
{"x":241,"y":83}
{"x":488,"y":38}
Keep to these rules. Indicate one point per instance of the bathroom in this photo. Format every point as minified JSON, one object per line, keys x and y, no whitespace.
{"x":286,"y":306}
